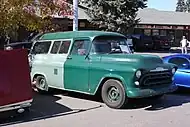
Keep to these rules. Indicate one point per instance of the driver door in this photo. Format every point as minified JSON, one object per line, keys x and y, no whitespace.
{"x":182,"y":76}
{"x":76,"y":68}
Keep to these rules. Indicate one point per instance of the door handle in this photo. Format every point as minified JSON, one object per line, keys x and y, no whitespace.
{"x":69,"y":58}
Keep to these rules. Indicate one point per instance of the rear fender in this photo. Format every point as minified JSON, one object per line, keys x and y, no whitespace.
{"x":42,"y":74}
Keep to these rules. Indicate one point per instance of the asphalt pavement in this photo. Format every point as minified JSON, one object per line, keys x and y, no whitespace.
{"x":77,"y":110}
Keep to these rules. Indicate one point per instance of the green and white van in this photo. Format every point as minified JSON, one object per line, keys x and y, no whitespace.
{"x":90,"y":62}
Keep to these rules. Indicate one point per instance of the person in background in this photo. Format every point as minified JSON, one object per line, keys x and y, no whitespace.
{"x":184,"y":44}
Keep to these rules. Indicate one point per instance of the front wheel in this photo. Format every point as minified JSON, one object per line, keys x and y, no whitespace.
{"x":113,"y":94}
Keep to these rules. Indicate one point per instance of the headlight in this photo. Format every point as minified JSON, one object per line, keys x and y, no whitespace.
{"x":138,"y":74}
{"x":173,"y":70}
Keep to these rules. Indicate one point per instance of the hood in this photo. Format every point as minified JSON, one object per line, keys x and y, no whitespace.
{"x":135,"y":60}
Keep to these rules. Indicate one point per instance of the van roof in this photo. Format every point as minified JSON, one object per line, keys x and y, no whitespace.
{"x":76,"y":34}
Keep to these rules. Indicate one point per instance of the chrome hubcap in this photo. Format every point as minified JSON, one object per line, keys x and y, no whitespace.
{"x":42,"y":83}
{"x":113,"y":94}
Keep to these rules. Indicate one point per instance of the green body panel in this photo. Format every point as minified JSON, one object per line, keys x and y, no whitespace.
{"x":121,"y":67}
{"x":76,"y":73}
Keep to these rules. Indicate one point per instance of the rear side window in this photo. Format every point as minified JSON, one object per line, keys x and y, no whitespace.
{"x":55,"y":47}
{"x":60,"y":47}
{"x":41,"y":47}
{"x":64,"y":47}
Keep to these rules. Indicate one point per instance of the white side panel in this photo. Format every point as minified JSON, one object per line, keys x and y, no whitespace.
{"x":51,"y":66}
{"x":56,"y":74}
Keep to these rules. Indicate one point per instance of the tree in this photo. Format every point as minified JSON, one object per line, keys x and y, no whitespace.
{"x":30,"y":14}
{"x":188,"y":5}
{"x":114,"y":15}
{"x":181,"y":7}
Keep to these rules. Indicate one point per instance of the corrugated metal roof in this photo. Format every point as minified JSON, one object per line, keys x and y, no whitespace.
{"x":153,"y":16}
{"x":150,"y":16}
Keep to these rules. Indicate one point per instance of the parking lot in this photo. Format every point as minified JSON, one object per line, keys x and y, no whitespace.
{"x":71,"y":109}
{"x":61,"y":108}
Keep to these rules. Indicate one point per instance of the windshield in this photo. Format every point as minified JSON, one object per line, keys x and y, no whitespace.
{"x":110,"y":45}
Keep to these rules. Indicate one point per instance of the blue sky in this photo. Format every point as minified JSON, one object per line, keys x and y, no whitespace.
{"x":167,"y":5}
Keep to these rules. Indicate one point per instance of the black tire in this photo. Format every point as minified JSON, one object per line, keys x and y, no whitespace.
{"x":41,"y":89}
{"x":113,"y":87}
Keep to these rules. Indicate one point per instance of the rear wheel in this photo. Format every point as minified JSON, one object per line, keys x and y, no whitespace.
{"x":113,"y":94}
{"x":41,"y":84}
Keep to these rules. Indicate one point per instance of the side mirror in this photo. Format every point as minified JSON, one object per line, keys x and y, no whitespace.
{"x":87,"y":57}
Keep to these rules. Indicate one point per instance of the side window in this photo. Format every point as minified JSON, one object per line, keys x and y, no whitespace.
{"x":55,"y":47}
{"x":80,"y":47}
{"x":64,"y":47}
{"x":179,"y":61}
{"x":41,"y":47}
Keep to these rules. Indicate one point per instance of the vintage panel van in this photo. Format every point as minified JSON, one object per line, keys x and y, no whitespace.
{"x":93,"y":61}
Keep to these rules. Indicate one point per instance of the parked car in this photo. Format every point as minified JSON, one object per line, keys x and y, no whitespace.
{"x":161,"y":42}
{"x":93,"y":62}
{"x":142,"y":42}
{"x":15,"y":82}
{"x":27,"y":44}
{"x":182,"y":75}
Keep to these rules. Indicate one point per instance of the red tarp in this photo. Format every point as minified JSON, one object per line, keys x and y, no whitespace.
{"x":15,"y":83}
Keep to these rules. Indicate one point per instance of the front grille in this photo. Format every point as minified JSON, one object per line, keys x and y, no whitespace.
{"x":156,"y":78}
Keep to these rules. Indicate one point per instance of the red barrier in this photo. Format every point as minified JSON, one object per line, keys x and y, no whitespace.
{"x":15,"y":83}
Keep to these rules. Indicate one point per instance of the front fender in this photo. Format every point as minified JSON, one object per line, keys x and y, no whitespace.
{"x":111,"y":76}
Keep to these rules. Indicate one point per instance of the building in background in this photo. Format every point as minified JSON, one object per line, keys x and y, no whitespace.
{"x":172,"y":24}
{"x":164,"y":23}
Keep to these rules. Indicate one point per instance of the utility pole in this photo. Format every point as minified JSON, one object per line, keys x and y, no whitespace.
{"x":75,"y":15}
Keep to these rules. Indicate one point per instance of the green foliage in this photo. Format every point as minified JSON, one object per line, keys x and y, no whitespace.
{"x":181,"y":6}
{"x":31,"y":14}
{"x":114,"y":15}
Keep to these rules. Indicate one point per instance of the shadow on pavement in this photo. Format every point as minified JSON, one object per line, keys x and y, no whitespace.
{"x":46,"y":106}
{"x":171,"y":100}
{"x":168,"y":101}
{"x":43,"y":107}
